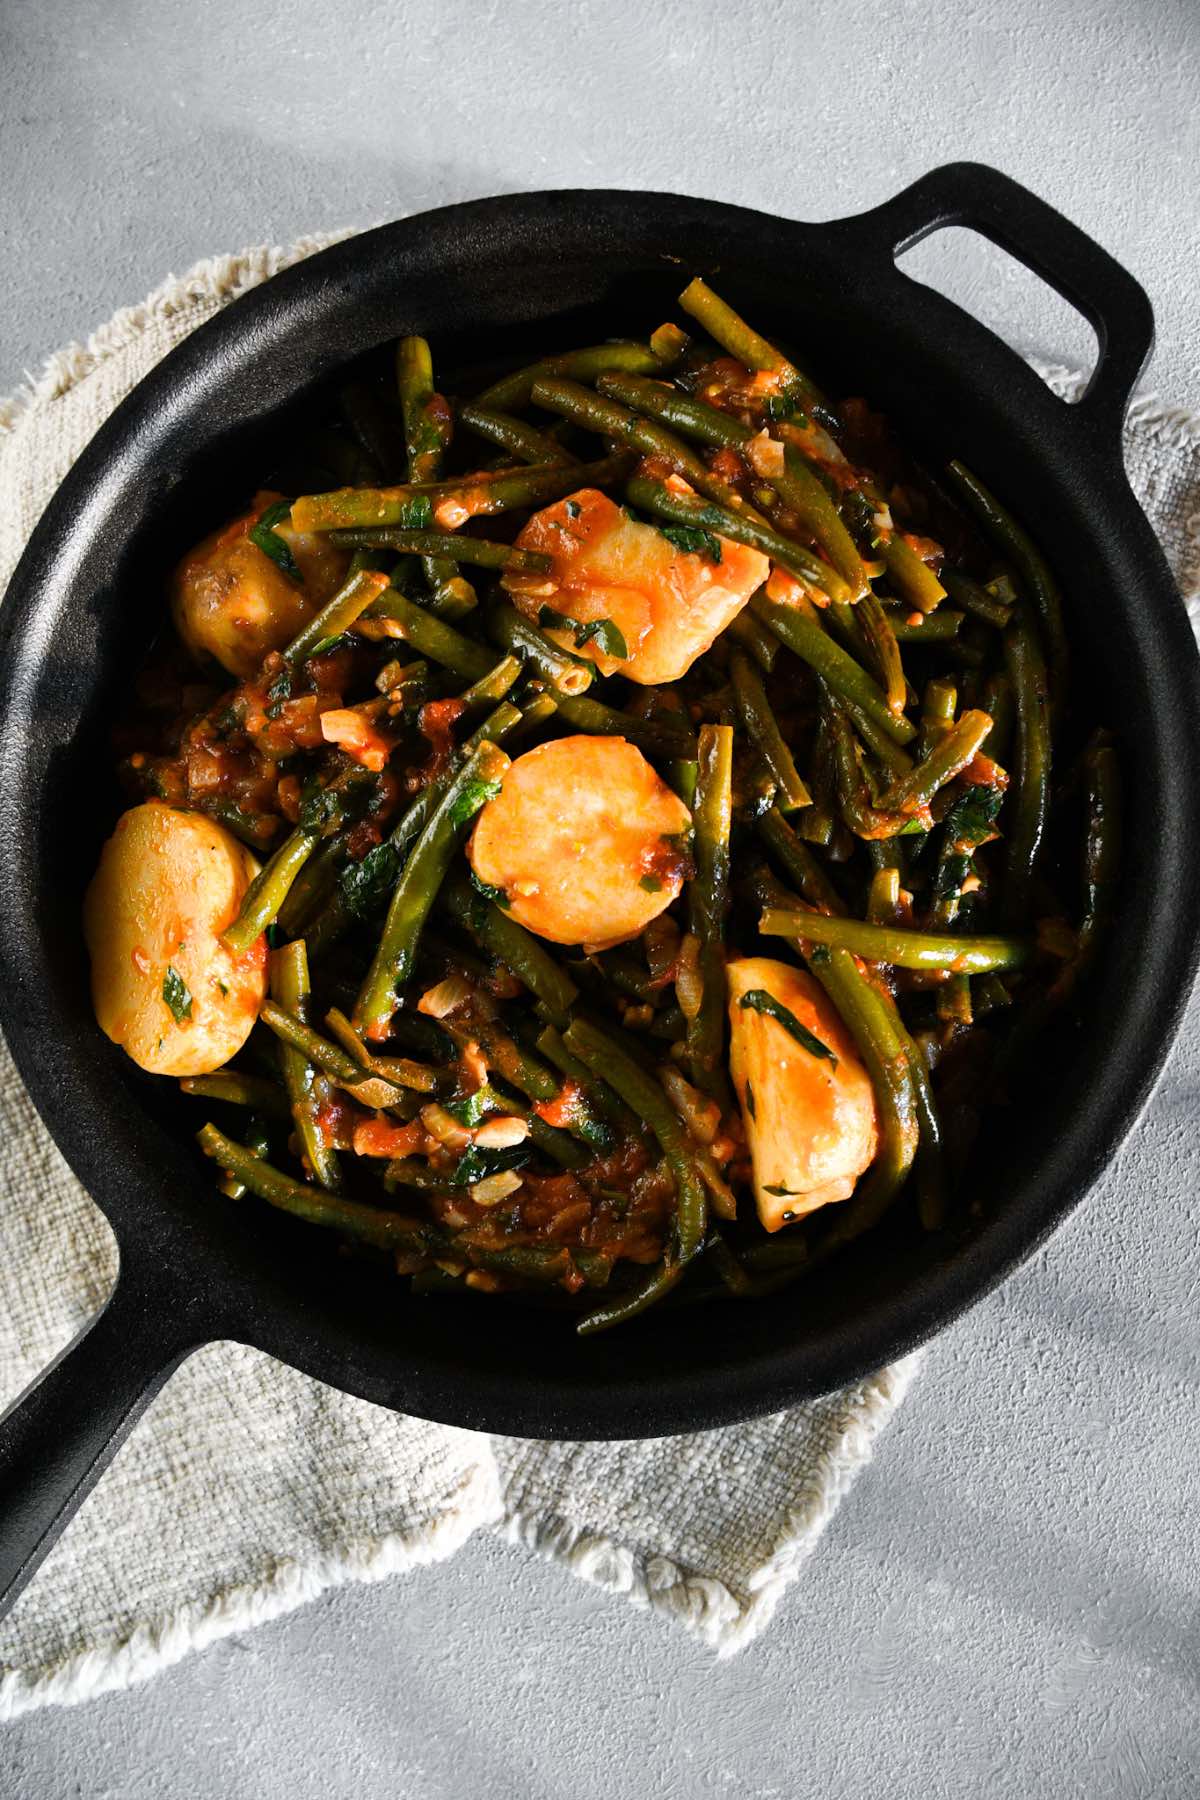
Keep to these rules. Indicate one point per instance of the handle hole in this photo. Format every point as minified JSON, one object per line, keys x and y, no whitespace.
{"x":998,"y":290}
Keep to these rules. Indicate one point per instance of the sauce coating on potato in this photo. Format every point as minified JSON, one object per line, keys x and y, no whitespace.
{"x":164,"y":986}
{"x":668,"y":604}
{"x":810,"y":1123}
{"x":232,"y":603}
{"x":584,"y":840}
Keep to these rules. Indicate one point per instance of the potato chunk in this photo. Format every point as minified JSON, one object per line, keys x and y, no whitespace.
{"x":232,"y":603}
{"x":668,"y":604}
{"x":810,"y":1124}
{"x":584,"y":841}
{"x":164,"y":986}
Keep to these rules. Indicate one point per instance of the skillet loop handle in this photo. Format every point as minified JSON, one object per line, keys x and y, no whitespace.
{"x":60,"y":1435}
{"x":1092,"y":281}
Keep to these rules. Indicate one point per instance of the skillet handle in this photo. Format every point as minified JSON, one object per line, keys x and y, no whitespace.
{"x":1113,"y":303}
{"x":60,"y":1435}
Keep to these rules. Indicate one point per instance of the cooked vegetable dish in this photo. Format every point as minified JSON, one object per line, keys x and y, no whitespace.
{"x":606,"y":836}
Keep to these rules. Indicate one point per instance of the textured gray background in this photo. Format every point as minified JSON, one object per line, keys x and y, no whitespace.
{"x":1007,"y":1603}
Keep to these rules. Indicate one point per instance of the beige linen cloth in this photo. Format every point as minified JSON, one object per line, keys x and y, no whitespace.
{"x":247,"y":1488}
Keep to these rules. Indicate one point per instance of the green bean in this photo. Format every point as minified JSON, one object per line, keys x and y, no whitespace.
{"x":516,"y":435}
{"x":754,"y":637}
{"x":657,"y":736}
{"x":798,"y":862}
{"x":975,"y":598}
{"x":1016,"y":543}
{"x":929,"y":1168}
{"x":522,"y":954}
{"x":599,"y":1095}
{"x":295,"y":1033}
{"x":312,"y":888}
{"x":940,"y":627}
{"x":565,"y":673}
{"x":434,"y":637}
{"x":469,"y":789}
{"x":269,"y":889}
{"x":795,"y":484}
{"x":476,"y":551}
{"x":668,"y":342}
{"x":883,"y":897}
{"x":861,"y":815}
{"x":897,"y":945}
{"x":874,"y":1029}
{"x":634,"y":1301}
{"x":704,"y":515}
{"x":797,"y":627}
{"x":880,"y":635}
{"x":762,"y":730}
{"x":428,"y":429}
{"x":1101,"y":860}
{"x":559,"y":1146}
{"x":513,"y":1063}
{"x":290,"y":990}
{"x":997,"y":699}
{"x":708,"y":899}
{"x":616,"y":422}
{"x":969,"y":824}
{"x":338,"y":615}
{"x":644,"y":1096}
{"x":331,"y":925}
{"x":237,"y":1089}
{"x":512,"y":392}
{"x":452,"y":503}
{"x":914,"y":578}
{"x":955,"y":748}
{"x":370,"y":1224}
{"x":731,"y":331}
{"x":1031,"y":789}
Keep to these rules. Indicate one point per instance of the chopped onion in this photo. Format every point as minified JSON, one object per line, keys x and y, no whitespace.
{"x":502,"y":1132}
{"x":495,"y":1187}
{"x":442,"y":999}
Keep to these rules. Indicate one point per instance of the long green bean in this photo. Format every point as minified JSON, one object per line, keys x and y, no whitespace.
{"x":469,"y":789}
{"x":522,"y":954}
{"x":428,"y":430}
{"x":290,"y":989}
{"x":566,"y":674}
{"x":269,"y":889}
{"x":948,"y":758}
{"x":762,"y":729}
{"x":237,"y":1089}
{"x":476,"y":551}
{"x":516,"y":435}
{"x":338,"y":615}
{"x":1016,"y":543}
{"x":370,"y":1224}
{"x":448,"y":504}
{"x":708,"y":899}
{"x":731,"y":331}
{"x":705,"y":515}
{"x":895,"y":944}
{"x":798,"y":628}
{"x":512,"y":392}
{"x":1031,"y":794}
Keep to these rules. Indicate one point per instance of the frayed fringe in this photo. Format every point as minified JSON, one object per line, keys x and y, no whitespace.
{"x":213,"y":281}
{"x":700,"y":1603}
{"x":153,"y":1647}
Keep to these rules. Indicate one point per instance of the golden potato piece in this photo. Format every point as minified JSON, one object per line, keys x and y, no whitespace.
{"x":164,"y":986}
{"x":584,"y":841}
{"x":668,"y":604}
{"x":810,"y":1124}
{"x":231,"y":602}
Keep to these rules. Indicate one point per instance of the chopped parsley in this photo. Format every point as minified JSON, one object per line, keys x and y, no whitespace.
{"x":971,"y":821}
{"x":366,"y":885}
{"x":782,"y":1193}
{"x":320,"y":808}
{"x":751,"y":1102}
{"x":693,"y":540}
{"x":476,"y":1164}
{"x":607,"y":637}
{"x":177,"y":994}
{"x":265,"y":537}
{"x":758,"y":1000}
{"x":573,"y":509}
{"x":279,"y":691}
{"x":473,"y":796}
{"x":650,"y":884}
{"x":496,"y":895}
{"x":416,"y":513}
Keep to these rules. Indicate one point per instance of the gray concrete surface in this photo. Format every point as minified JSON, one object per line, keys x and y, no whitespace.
{"x":1007,"y":1603}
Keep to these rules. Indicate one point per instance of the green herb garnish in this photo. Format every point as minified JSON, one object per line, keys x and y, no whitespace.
{"x":264,"y":536}
{"x":758,"y":1000}
{"x":473,"y":796}
{"x":366,"y":885}
{"x":496,"y":895}
{"x":650,"y":884}
{"x":177,"y":994}
{"x":608,"y":638}
{"x":477,"y":1164}
{"x":416,"y":513}
{"x":693,"y":540}
{"x":573,"y":509}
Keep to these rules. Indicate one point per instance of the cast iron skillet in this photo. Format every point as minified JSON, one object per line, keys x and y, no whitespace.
{"x":528,"y":271}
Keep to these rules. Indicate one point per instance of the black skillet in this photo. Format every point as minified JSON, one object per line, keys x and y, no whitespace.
{"x":517,"y":274}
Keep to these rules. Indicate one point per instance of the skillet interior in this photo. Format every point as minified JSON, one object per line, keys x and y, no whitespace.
{"x":526,"y":273}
